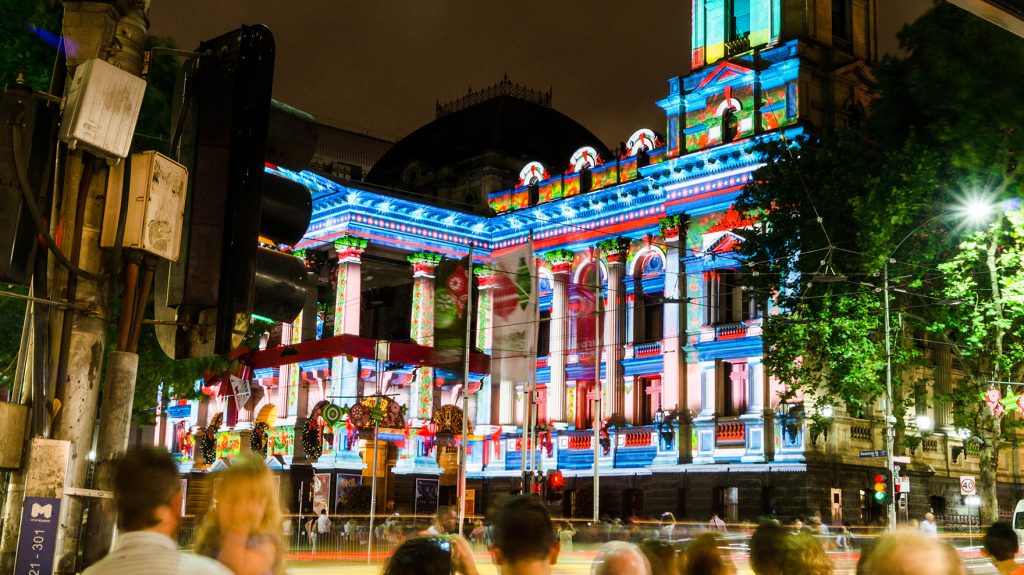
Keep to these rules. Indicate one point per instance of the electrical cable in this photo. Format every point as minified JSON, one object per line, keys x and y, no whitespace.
{"x":37,"y":218}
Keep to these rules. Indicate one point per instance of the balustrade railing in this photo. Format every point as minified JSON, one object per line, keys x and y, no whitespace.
{"x":729,"y":432}
{"x":860,"y":432}
{"x":647,"y":349}
{"x":580,"y":441}
{"x":731,"y":330}
{"x":636,"y":437}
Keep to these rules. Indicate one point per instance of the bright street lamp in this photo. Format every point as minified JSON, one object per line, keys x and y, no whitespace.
{"x":978,"y":209}
{"x":925,"y":423}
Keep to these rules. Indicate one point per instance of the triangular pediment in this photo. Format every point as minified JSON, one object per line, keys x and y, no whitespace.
{"x":722,"y":73}
{"x":857,"y":72}
{"x":720,"y":242}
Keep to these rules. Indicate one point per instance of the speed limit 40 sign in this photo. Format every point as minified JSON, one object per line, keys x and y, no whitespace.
{"x":967,"y":485}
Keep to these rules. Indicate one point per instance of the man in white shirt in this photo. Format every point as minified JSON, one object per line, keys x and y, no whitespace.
{"x":323,"y":523}
{"x":716,"y":524}
{"x":147,"y":492}
{"x":928,"y":526}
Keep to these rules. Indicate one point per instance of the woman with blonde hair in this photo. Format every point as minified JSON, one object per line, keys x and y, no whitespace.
{"x":243,"y":529}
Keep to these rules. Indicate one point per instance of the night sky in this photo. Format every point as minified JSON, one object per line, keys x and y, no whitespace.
{"x":381,"y":64}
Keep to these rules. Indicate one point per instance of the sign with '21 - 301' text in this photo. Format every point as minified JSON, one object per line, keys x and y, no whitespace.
{"x":37,"y":541}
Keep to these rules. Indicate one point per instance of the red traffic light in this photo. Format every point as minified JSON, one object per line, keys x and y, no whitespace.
{"x":879,"y":478}
{"x":553,"y":485}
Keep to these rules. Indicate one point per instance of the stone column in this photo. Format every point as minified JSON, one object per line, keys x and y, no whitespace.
{"x":347,"y":294}
{"x":284,"y":379}
{"x":755,"y":428}
{"x":421,"y":330}
{"x":480,"y":403}
{"x":613,"y":326}
{"x":943,"y":361}
{"x":561,"y":264}
{"x":673,"y":387}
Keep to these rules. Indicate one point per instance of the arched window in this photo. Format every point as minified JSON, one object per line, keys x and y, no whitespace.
{"x":648,"y":306}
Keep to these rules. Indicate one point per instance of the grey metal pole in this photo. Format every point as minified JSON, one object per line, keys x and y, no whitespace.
{"x":465,"y":394}
{"x":376,"y":429}
{"x":889,"y":419}
{"x":597,"y":415}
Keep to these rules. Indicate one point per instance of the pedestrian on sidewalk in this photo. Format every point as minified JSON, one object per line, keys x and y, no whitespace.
{"x":147,"y":495}
{"x":716,"y":524}
{"x":243,"y":530}
{"x":523,"y":538}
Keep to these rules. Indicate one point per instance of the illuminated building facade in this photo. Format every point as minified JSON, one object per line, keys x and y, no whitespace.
{"x":693,"y":425}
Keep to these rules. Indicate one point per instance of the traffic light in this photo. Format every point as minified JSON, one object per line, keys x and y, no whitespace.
{"x":881,"y":488}
{"x":227,"y":130}
{"x":554,"y":485}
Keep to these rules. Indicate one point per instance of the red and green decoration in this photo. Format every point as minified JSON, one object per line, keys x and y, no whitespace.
{"x":312,"y":439}
{"x":999,"y":405}
{"x":383,"y":411}
{"x":451,"y":295}
{"x":260,"y":439}
{"x":207,"y":439}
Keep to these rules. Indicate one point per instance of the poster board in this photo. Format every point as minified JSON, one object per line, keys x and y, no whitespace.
{"x":426,"y":496}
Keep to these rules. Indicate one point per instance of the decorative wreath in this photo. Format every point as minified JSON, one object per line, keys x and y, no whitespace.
{"x":384,"y":411}
{"x":448,"y":419}
{"x":207,"y":439}
{"x":259,"y":440}
{"x":312,"y":439}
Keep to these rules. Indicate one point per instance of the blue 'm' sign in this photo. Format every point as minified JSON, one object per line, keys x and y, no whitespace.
{"x":37,"y":541}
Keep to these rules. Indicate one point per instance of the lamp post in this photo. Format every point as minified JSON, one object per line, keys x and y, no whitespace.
{"x":977,"y":210}
{"x":889,"y":419}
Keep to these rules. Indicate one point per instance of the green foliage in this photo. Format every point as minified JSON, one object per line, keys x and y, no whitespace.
{"x":24,"y":28}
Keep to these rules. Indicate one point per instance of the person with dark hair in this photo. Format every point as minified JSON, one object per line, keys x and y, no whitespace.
{"x":661,"y":555}
{"x":147,"y":494}
{"x":523,"y":538}
{"x":768,"y":549}
{"x":444,"y":522}
{"x":1001,"y":546}
{"x":432,"y":555}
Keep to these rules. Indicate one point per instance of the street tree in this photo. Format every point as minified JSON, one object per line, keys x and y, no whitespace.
{"x":834,"y":210}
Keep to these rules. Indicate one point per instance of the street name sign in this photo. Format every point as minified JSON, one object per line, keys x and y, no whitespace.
{"x":873,"y":453}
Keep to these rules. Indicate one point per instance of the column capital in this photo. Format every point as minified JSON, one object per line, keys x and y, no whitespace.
{"x":350,"y":248}
{"x":560,"y":260}
{"x":308,"y":258}
{"x":674,"y":227}
{"x":615,"y":250}
{"x":423,"y":264}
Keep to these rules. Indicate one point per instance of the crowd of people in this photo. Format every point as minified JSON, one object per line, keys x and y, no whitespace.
{"x":242,"y":534}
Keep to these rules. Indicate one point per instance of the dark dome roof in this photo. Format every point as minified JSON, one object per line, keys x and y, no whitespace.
{"x":504,"y":124}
